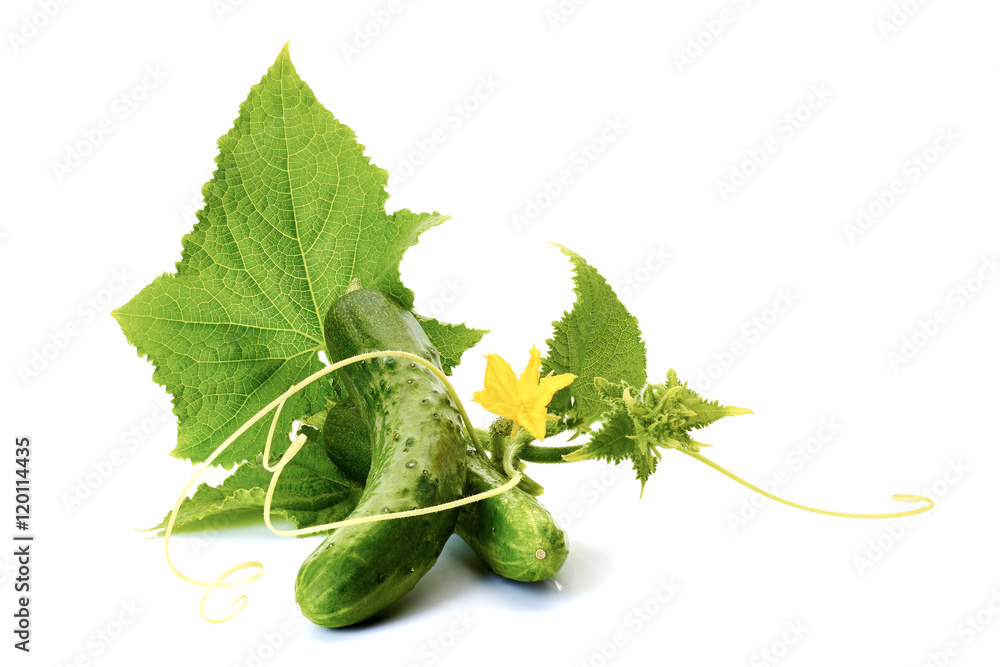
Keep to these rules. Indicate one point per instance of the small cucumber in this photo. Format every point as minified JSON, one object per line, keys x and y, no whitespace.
{"x":512,"y":532}
{"x":418,"y":460}
{"x":344,"y":424}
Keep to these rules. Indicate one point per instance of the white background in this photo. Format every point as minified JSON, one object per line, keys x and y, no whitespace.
{"x":858,"y":592}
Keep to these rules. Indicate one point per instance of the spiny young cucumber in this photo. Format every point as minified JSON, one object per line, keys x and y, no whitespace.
{"x":344,"y":427}
{"x":418,"y":460}
{"x":512,"y":532}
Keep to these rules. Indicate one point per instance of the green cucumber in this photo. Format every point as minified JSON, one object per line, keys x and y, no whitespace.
{"x":512,"y":532}
{"x":344,"y":425}
{"x":418,"y":460}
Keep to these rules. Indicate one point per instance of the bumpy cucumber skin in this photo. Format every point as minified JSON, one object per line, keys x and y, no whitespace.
{"x":509,"y":531}
{"x":512,"y":532}
{"x":418,"y":460}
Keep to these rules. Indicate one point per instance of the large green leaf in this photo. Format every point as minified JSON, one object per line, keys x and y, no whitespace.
{"x":293,"y":213}
{"x":598,"y":338}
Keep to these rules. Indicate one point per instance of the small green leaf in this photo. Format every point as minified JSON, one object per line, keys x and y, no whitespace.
{"x":598,"y":338}
{"x":637,"y":424}
{"x":451,"y":340}
{"x":703,"y":412}
{"x":612,"y":442}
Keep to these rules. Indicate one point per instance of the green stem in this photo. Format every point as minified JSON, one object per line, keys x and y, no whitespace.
{"x":536,"y":454}
{"x":497,"y":448}
{"x":530,"y":486}
{"x":510,"y":460}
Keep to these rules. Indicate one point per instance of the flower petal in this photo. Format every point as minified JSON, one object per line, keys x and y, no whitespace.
{"x":532,"y":419}
{"x":548,"y":386}
{"x":500,"y":376}
{"x":521,"y":399}
{"x":529,"y":378}
{"x":495,"y":404}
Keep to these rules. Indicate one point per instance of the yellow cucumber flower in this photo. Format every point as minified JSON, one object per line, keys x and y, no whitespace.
{"x":520,"y":399}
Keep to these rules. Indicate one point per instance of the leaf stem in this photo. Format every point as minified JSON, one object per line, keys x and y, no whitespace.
{"x":540,"y":454}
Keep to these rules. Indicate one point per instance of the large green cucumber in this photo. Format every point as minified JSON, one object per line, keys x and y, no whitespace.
{"x":418,"y":460}
{"x":512,"y":532}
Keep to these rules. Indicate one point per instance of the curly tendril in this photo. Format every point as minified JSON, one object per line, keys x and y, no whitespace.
{"x":221,"y":580}
{"x":510,"y":466}
{"x":899,"y":497}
